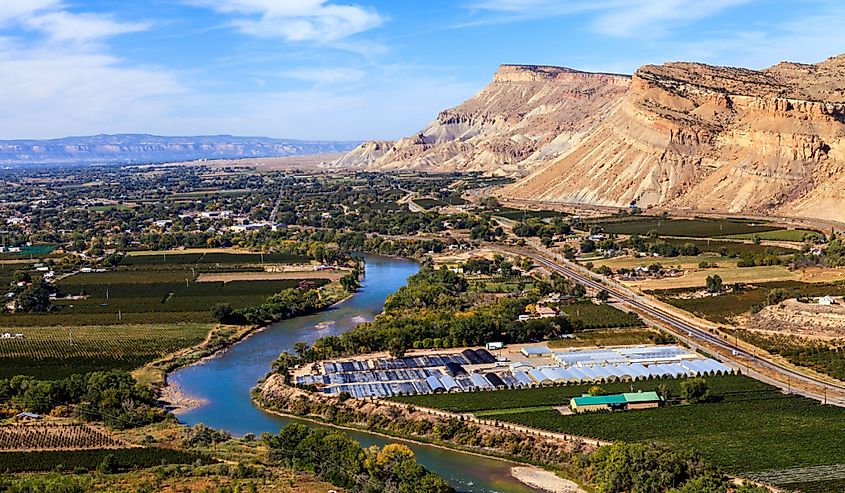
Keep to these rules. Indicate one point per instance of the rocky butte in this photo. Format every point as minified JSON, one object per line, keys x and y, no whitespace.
{"x":684,"y":136}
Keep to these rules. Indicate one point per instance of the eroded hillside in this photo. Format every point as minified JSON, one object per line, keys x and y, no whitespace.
{"x":692,"y":136}
{"x":525,"y":117}
{"x":679,"y":135}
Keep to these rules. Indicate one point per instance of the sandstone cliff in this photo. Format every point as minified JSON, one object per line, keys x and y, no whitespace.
{"x":526,"y":116}
{"x":692,"y":136}
{"x":680,"y":135}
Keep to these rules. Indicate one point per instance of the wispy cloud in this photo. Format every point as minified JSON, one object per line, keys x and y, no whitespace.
{"x":296,"y":20}
{"x":52,"y":19}
{"x":622,"y":18}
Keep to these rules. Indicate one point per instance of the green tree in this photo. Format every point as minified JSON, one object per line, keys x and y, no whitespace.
{"x":714,"y":284}
{"x":35,"y":298}
{"x":695,"y":390}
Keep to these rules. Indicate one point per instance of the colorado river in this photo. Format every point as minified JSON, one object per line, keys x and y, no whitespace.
{"x":224,"y":382}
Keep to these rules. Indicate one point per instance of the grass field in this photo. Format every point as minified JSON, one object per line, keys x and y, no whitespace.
{"x":608,"y":337}
{"x":721,"y":309}
{"x":56,"y":352}
{"x":749,"y":427}
{"x":696,"y":228}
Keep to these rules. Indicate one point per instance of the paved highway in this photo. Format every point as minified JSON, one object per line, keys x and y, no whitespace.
{"x":678,"y":326}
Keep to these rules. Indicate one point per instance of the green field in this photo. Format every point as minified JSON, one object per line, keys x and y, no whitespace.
{"x":211,"y":259}
{"x":696,"y":228}
{"x":521,"y":215}
{"x":89,"y":460}
{"x":146,"y":295}
{"x":603,"y":316}
{"x":56,"y":352}
{"x":781,"y":235}
{"x":429,"y":203}
{"x":731,"y":248}
{"x":608,"y":337}
{"x":721,"y":309}
{"x":749,"y":427}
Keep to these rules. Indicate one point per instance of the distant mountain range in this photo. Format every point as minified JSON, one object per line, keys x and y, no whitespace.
{"x":139,"y":148}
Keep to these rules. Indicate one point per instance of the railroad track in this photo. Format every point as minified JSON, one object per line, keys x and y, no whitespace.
{"x":687,"y":331}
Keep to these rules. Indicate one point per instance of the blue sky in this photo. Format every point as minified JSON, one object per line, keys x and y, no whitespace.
{"x":349,"y":69}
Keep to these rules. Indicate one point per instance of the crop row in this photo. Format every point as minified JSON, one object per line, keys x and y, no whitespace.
{"x":125,"y":459}
{"x":213,"y":258}
{"x":602,"y":316}
{"x":55,"y":437}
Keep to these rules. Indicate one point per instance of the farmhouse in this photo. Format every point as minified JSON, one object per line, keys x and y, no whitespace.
{"x":546,"y":312}
{"x":615,"y":402}
{"x":827,"y":300}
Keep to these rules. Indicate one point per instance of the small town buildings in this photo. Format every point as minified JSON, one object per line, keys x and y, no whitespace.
{"x":615,"y":402}
{"x":536,"y":352}
{"x":546,"y":312}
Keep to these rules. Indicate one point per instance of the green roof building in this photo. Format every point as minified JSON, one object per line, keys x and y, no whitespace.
{"x":615,"y":402}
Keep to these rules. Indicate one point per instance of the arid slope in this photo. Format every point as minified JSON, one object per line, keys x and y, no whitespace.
{"x":525,"y":117}
{"x":692,"y":136}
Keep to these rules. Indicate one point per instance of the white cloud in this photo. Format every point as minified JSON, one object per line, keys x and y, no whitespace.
{"x":58,"y":78}
{"x":296,"y":20}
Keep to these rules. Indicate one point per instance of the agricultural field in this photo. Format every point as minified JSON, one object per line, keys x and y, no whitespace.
{"x":695,"y":228}
{"x":725,"y":248}
{"x":148,"y":296}
{"x":722,"y":309}
{"x":602,"y":316}
{"x":57,"y":352}
{"x":823,"y":356}
{"x":697,"y":278}
{"x":683,"y":262}
{"x":89,"y":460}
{"x":521,"y":399}
{"x":210,"y":259}
{"x":749,"y":427}
{"x":521,"y":214}
{"x":71,"y":436}
{"x":608,"y":337}
{"x":429,"y":203}
{"x":796,"y":235}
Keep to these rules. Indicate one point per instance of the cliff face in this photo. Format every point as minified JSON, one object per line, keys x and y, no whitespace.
{"x":526,"y":116}
{"x":692,"y":136}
